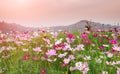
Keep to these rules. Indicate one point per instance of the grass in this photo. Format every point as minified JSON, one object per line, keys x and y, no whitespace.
{"x":12,"y":60}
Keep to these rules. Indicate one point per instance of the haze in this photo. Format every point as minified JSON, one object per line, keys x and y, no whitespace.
{"x":36,"y":13}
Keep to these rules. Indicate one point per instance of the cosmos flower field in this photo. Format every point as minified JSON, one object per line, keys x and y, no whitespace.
{"x":42,"y":52}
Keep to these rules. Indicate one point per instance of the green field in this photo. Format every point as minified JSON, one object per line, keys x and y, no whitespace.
{"x":41,"y":52}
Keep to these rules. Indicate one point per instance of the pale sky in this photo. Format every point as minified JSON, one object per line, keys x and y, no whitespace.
{"x":59,"y":12}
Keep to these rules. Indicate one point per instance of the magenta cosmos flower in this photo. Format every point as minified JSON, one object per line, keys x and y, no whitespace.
{"x":84,"y":35}
{"x":95,"y":35}
{"x":113,"y":41}
{"x":70,"y":36}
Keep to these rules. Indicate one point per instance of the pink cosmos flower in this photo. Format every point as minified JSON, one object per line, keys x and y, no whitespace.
{"x":109,"y":54}
{"x":118,"y":39}
{"x":73,"y":68}
{"x":51,"y":52}
{"x":101,"y":40}
{"x":114,"y":36}
{"x":38,"y":49}
{"x":102,"y":47}
{"x":5,"y":56}
{"x":2,"y":49}
{"x":87,"y":41}
{"x":70,"y":40}
{"x":116,"y":48}
{"x":62,"y":55}
{"x":71,"y":57}
{"x":44,"y":57}
{"x":46,"y":40}
{"x":113,"y":50}
{"x":108,"y":38}
{"x":83,"y":67}
{"x":67,"y":47}
{"x":35,"y":58}
{"x":55,"y":34}
{"x":59,"y":46}
{"x":26,"y":57}
{"x":1,"y":40}
{"x":43,"y":71}
{"x":118,"y":70}
{"x":80,"y":47}
{"x":63,"y":64}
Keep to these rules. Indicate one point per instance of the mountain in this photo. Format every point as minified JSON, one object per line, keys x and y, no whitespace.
{"x":6,"y":27}
{"x":81,"y":26}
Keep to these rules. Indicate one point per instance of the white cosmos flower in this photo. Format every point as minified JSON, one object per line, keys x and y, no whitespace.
{"x":35,"y":34}
{"x":25,"y":50}
{"x":109,"y":55}
{"x":78,"y":64}
{"x":104,"y":72}
{"x":87,"y":58}
{"x":99,"y":61}
{"x":58,"y":41}
{"x":66,"y":61}
{"x":105,"y":45}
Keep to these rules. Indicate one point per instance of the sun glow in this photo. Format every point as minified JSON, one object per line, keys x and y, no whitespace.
{"x":21,"y":1}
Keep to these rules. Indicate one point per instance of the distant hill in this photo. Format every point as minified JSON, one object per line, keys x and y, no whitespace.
{"x":81,"y":26}
{"x":6,"y":27}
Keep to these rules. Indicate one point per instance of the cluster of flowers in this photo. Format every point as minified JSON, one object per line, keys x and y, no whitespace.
{"x":64,"y":49}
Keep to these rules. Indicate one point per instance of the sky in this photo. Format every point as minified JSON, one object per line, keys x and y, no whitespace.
{"x":36,"y":13}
